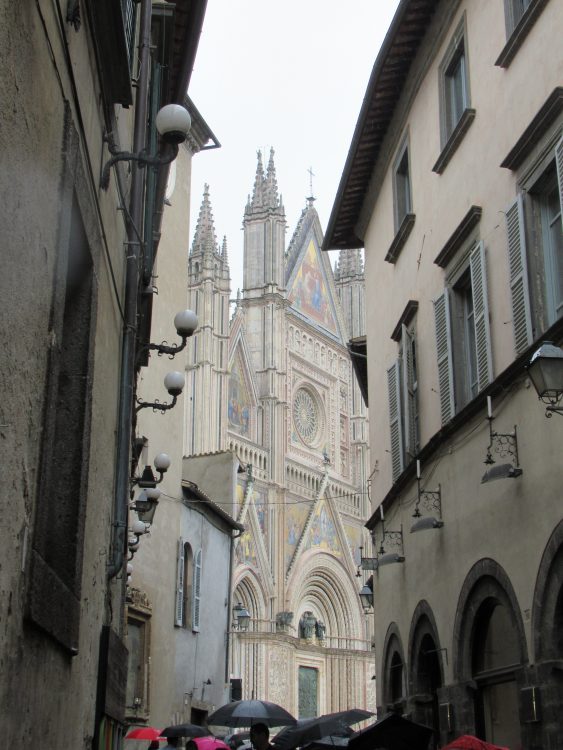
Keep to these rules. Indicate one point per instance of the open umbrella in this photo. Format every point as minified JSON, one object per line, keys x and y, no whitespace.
{"x":206,"y":743}
{"x":468,"y":742}
{"x":249,"y":712}
{"x":392,"y":732}
{"x":185,"y":730}
{"x":308,"y":730}
{"x":144,"y":733}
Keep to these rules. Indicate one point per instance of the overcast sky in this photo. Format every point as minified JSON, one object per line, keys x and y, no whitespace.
{"x":287,"y":74}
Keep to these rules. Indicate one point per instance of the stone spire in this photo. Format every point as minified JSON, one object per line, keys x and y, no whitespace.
{"x":224,"y":254}
{"x":265,"y":192}
{"x":270,"y":184}
{"x":349,"y":264}
{"x":258,"y":192}
{"x":205,"y":241}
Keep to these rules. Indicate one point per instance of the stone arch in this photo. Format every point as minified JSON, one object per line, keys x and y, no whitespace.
{"x":547,"y":607}
{"x":393,"y":670}
{"x":320,"y":583}
{"x":426,"y":666}
{"x":486,"y":584}
{"x":423,"y":623}
{"x":248,"y":591}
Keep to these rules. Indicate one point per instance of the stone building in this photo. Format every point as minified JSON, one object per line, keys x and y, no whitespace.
{"x":274,"y":387}
{"x":77,"y":251}
{"x":453,"y":186}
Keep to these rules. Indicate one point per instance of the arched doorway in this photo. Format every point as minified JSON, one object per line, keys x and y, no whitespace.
{"x":393,"y":672}
{"x":495,"y":659}
{"x":490,"y":652}
{"x":426,"y":669}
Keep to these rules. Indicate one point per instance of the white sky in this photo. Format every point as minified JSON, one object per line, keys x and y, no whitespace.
{"x":287,"y":74}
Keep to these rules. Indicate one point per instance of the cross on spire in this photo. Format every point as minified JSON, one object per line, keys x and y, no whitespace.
{"x":311,"y":175}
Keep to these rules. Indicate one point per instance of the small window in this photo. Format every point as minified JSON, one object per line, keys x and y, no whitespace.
{"x":515,"y":10}
{"x":402,"y":186}
{"x":521,"y":15}
{"x":454,"y":77}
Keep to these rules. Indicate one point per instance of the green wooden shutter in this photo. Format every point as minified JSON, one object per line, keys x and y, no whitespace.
{"x":395,"y":421}
{"x":481,"y":316}
{"x":559,"y":162}
{"x":444,"y":355}
{"x":179,"y":615}
{"x":518,"y":268}
{"x":196,"y":591}
{"x":410,"y":403}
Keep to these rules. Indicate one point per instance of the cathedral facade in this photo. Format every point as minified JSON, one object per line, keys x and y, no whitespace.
{"x":273,"y":386}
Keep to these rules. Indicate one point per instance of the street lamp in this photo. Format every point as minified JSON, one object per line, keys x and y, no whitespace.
{"x":366,"y":597}
{"x":546,"y":373}
{"x":241,"y":617}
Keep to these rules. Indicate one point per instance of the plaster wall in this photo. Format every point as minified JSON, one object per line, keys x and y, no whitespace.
{"x":508,"y":520}
{"x":505,"y":101}
{"x":39,"y":679}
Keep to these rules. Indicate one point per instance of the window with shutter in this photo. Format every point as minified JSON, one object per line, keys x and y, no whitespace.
{"x":395,"y":419}
{"x":410,"y":393}
{"x":196,"y":592}
{"x":539,"y":206}
{"x":481,"y":322}
{"x":179,"y":613}
{"x":444,"y":354}
{"x":518,"y":268}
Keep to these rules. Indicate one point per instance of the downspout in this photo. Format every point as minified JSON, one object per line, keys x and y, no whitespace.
{"x":133,"y":256}
{"x":229,"y":609}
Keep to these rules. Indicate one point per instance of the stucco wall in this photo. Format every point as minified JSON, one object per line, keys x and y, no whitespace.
{"x":38,"y":679}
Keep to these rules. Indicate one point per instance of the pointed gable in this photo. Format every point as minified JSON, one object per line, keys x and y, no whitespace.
{"x":309,"y":281}
{"x":242,"y":392}
{"x":322,"y":531}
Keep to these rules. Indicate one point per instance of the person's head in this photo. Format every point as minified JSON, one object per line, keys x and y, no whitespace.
{"x":259,"y":736}
{"x":173,"y":741}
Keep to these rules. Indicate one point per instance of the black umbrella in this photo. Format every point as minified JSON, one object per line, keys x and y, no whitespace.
{"x":392,"y":732}
{"x":327,"y":743}
{"x":308,"y":730}
{"x":249,"y":712}
{"x":185,"y":730}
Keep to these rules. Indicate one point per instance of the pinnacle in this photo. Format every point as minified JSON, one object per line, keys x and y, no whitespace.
{"x":205,"y":240}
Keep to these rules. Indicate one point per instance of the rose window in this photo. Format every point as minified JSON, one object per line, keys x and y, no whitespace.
{"x":306,"y":416}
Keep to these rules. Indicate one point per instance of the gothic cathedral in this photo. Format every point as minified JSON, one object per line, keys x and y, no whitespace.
{"x":274,"y":385}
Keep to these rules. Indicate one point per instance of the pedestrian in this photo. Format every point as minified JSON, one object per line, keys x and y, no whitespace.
{"x":260,"y":737}
{"x":172,"y":744}
{"x":154,"y":745}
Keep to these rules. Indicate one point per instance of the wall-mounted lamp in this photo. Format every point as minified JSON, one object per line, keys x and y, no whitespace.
{"x":185,"y":323}
{"x":431,"y":500}
{"x":147,"y":479}
{"x":504,"y":444}
{"x":146,"y":503}
{"x":174,"y":383}
{"x":241,"y":617}
{"x":546,"y":373}
{"x":366,"y":596}
{"x":173,"y":123}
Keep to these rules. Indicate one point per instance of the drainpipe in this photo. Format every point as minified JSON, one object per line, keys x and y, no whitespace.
{"x":133,"y":255}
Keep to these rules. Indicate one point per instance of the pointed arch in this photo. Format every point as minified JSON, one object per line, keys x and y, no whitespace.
{"x":322,"y":585}
{"x":547,"y":610}
{"x":394,"y":689}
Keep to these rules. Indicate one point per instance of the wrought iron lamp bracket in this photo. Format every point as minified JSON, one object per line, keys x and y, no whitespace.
{"x":430,"y":500}
{"x":503,"y":444}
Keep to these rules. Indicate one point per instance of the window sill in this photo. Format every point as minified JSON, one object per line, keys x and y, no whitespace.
{"x":520,"y":33}
{"x":400,"y":238}
{"x":454,"y":140}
